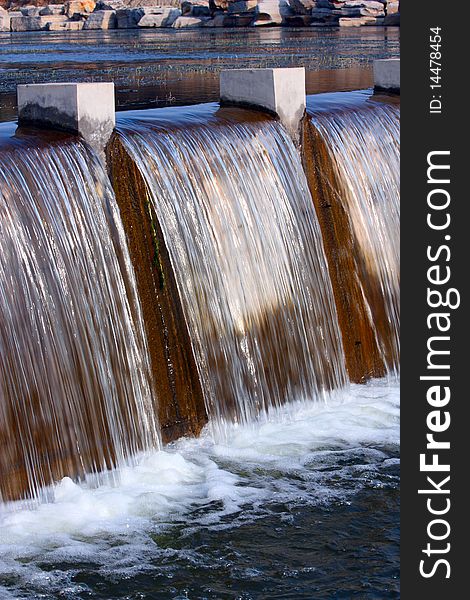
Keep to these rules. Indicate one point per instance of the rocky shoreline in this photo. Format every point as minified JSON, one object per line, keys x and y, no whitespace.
{"x":77,"y":15}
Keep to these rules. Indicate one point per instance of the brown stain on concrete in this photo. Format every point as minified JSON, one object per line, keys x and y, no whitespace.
{"x":181,"y":407}
{"x":363,"y":355}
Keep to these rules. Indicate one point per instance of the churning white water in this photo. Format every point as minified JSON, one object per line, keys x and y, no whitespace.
{"x":302,"y":454}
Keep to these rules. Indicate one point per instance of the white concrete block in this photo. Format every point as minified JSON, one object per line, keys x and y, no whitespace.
{"x":387,"y":74}
{"x":278,"y":91}
{"x":83,"y":108}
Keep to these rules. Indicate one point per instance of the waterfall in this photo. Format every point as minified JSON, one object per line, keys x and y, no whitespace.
{"x":240,"y":228}
{"x":76,"y":392}
{"x":210,"y":270}
{"x":360,"y":177}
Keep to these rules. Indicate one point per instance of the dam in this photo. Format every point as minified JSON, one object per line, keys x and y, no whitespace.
{"x":204,"y":268}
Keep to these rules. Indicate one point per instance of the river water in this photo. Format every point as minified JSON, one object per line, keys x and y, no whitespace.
{"x":165,"y":67}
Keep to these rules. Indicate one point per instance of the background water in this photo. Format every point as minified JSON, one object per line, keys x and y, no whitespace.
{"x":164,"y":67}
{"x":303,"y":504}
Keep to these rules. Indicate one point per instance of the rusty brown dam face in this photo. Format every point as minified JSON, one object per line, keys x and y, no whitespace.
{"x":207,"y":273}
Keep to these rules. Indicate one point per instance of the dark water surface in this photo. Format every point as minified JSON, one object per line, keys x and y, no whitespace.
{"x":164,"y":67}
{"x":303,"y":505}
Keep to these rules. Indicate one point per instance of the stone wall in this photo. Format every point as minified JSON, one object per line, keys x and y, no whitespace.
{"x":75,"y":15}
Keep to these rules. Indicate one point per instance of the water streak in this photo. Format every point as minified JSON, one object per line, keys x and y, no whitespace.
{"x":365,"y":147}
{"x":75,"y":388}
{"x":241,"y":230}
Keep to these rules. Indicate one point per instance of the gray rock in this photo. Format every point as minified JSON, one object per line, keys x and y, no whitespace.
{"x":159,"y":17}
{"x":359,"y":21}
{"x":127,"y":18}
{"x":242,"y":6}
{"x":392,"y":7}
{"x":217,"y":21}
{"x":26,"y":24}
{"x":66,"y":26}
{"x":195,"y":8}
{"x":101,"y":19}
{"x":52,"y":9}
{"x":30,"y":11}
{"x":4,"y":20}
{"x":188,"y":22}
{"x":392,"y":20}
{"x":273,"y":11}
{"x":303,"y":7}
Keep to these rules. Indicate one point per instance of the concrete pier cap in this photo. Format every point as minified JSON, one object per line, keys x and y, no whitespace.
{"x":387,"y":75}
{"x":83,"y":108}
{"x":278,"y":91}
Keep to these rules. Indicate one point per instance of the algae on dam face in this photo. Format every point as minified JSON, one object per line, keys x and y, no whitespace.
{"x":76,"y":393}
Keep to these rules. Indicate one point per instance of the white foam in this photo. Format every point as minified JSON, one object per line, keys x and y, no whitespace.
{"x":289,"y":457}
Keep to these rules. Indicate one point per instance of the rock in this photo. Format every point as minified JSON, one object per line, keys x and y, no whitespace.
{"x":79,"y":7}
{"x":159,"y":17}
{"x":196,"y":8}
{"x":30,"y":11}
{"x":359,"y":21}
{"x":67,"y":26}
{"x":217,"y":21}
{"x":218,"y":4}
{"x":242,"y":6}
{"x":101,"y":19}
{"x":299,"y":20}
{"x":128,"y":18}
{"x":272,"y":11}
{"x":245,"y":20}
{"x":371,"y":4}
{"x":188,"y":22}
{"x":100,"y":5}
{"x":26,"y":24}
{"x":52,"y":9}
{"x":392,"y":20}
{"x":303,"y":7}
{"x":392,"y":7}
{"x":4,"y":20}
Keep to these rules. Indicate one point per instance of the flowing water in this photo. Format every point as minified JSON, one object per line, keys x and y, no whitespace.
{"x":302,"y":505}
{"x":364,"y":144}
{"x":297,"y":494}
{"x":241,"y":230}
{"x":74,"y":374}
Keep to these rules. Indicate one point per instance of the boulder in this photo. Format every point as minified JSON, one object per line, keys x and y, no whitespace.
{"x":79,"y":7}
{"x":243,"y":20}
{"x":101,"y":19}
{"x":303,"y":7}
{"x":359,"y":21}
{"x":26,"y":24}
{"x":392,"y":7}
{"x":52,"y":9}
{"x":272,"y":11}
{"x":218,"y":4}
{"x":217,"y":21}
{"x":127,"y":18}
{"x":242,"y":6}
{"x":393,"y":19}
{"x":188,"y":22}
{"x":195,"y":8}
{"x":30,"y":11}
{"x":159,"y":17}
{"x":4,"y":20}
{"x":66,"y":26}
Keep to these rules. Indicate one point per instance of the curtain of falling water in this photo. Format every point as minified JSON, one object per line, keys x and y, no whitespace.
{"x":365,"y":146}
{"x":241,"y":230}
{"x":75,"y":387}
